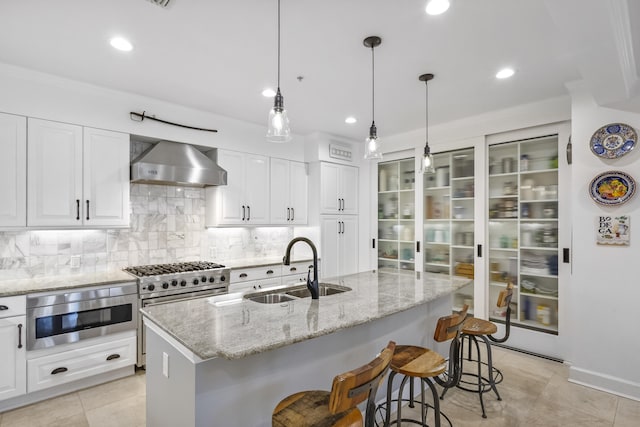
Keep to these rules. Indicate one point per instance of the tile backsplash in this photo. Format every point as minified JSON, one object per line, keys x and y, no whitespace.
{"x":166,"y":225}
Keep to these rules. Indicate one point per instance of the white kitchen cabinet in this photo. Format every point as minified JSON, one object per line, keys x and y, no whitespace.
{"x":245,"y":198}
{"x":288,"y":192}
{"x":339,"y":245}
{"x":13,"y":369}
{"x":13,"y":171}
{"x":76,"y":176}
{"x":338,"y":189}
{"x":82,"y":360}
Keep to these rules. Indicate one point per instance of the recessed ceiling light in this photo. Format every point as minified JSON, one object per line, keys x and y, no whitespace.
{"x":436,"y":7}
{"x":350,"y":120}
{"x":268,"y":93}
{"x":505,"y":73}
{"x":121,"y":43}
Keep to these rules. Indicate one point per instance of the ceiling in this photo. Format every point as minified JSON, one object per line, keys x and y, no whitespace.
{"x":218,"y":56}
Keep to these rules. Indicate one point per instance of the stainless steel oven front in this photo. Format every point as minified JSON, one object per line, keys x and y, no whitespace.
{"x":62,"y":317}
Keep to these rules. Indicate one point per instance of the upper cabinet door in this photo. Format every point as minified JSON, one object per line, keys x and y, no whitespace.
{"x":54,"y":153}
{"x":257,"y":188}
{"x":329,"y":198}
{"x":298,"y":190}
{"x":13,"y":171}
{"x":229,"y":199}
{"x":280,"y":192}
{"x":106,"y":178}
{"x":348,"y":190}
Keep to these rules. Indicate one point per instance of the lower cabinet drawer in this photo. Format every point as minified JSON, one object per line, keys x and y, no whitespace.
{"x":67,"y":366}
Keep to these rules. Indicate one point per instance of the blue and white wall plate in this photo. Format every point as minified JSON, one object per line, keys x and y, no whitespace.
{"x":613,"y":140}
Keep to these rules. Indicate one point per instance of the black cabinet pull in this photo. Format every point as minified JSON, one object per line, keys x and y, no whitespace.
{"x":20,"y":335}
{"x":87,"y":210}
{"x":293,"y":214}
{"x":288,"y":214}
{"x":418,"y":246}
{"x":293,"y":269}
{"x":3,"y":307}
{"x":373,"y":243}
{"x":77,"y":209}
{"x":113,"y":356}
{"x":566,"y":258}
{"x":479,"y":251}
{"x":243,"y":275}
{"x":248,"y":213}
{"x":269,"y":271}
{"x":243,"y":215}
{"x":59,"y":370}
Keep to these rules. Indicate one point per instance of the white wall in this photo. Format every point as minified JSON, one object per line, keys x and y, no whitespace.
{"x":605,"y":291}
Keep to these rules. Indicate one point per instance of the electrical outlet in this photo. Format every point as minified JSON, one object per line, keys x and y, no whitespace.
{"x":75,"y":261}
{"x":165,"y":364}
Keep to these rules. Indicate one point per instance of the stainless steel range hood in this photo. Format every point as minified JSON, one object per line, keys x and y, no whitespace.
{"x":174,"y":163}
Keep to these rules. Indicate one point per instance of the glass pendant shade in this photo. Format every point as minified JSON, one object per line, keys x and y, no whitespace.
{"x":372,"y":145}
{"x":427,"y":160}
{"x":278,"y":126}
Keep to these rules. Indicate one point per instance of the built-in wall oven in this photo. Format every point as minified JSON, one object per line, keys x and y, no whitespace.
{"x":67,"y":316}
{"x":164,"y":283}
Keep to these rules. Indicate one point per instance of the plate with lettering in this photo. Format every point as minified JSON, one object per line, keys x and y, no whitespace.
{"x":612,"y":188}
{"x":613,"y":140}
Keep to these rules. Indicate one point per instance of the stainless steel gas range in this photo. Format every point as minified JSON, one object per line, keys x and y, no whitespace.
{"x":163,"y":283}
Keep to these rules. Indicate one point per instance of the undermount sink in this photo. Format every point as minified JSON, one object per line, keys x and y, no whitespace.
{"x":270,"y":298}
{"x":324,"y":289}
{"x":290,"y":294}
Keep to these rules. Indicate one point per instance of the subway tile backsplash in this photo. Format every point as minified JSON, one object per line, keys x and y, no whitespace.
{"x":166,"y":225}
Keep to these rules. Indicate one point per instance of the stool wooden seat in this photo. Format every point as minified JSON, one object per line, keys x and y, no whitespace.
{"x":474,"y":329}
{"x":424,"y":364}
{"x":337,"y":408}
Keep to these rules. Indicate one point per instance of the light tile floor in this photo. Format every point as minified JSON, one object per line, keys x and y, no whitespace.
{"x":535,"y":393}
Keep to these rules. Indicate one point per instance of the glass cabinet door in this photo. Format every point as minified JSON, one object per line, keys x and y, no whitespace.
{"x":449,"y":219}
{"x":396,"y":214}
{"x":523,"y":230}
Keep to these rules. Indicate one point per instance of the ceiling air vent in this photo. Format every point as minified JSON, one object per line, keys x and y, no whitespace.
{"x":163,"y":3}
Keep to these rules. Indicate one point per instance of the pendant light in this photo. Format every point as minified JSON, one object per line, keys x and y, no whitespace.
{"x":372,"y":147}
{"x":278,"y":127}
{"x":427,"y":157}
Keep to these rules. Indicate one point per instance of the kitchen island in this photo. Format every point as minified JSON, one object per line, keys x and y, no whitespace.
{"x":229,"y":364}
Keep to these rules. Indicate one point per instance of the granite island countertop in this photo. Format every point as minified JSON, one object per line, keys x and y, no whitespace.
{"x":62,"y":282}
{"x":246,"y":327}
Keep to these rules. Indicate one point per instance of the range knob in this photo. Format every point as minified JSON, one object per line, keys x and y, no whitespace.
{"x":195,"y":281}
{"x":183,"y":283}
{"x":174,"y":283}
{"x":204,"y":279}
{"x":222,"y":278}
{"x":165,"y":285}
{"x":212,"y":279}
{"x":151,"y":287}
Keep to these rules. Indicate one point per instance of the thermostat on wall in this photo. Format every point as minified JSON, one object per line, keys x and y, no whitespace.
{"x":339,"y":152}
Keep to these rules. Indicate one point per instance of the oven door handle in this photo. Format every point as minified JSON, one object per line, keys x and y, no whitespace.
{"x":59,"y":370}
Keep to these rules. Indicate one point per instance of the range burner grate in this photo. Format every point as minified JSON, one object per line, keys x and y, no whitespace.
{"x":178,"y":267}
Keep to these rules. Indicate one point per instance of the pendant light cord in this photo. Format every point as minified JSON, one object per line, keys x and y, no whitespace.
{"x":278,"y":44}
{"x":426,"y":115}
{"x":373,"y":87}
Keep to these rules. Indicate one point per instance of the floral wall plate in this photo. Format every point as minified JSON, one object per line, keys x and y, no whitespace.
{"x":613,"y":140}
{"x":612,"y":188}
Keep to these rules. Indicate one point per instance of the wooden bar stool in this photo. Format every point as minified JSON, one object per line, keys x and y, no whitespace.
{"x":337,"y":408}
{"x":425,"y":364}
{"x":472,"y":329}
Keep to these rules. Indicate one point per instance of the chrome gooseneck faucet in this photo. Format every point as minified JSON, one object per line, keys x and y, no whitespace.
{"x":312,"y":285}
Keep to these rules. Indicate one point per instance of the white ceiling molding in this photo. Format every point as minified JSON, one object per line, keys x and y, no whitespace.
{"x":622,"y":33}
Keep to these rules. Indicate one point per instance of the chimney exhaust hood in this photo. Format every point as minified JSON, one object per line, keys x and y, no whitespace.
{"x":175,"y":163}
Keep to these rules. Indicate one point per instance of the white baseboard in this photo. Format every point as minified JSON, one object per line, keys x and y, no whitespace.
{"x":607,"y":383}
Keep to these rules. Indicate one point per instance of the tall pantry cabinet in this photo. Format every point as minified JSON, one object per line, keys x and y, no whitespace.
{"x":338,"y":219}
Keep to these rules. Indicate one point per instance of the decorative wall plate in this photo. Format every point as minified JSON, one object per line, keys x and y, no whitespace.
{"x":612,"y":188}
{"x":613,"y":140}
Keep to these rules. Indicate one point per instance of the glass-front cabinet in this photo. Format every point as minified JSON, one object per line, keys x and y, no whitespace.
{"x":396,"y":214}
{"x":449,"y":201}
{"x":523,"y":230}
